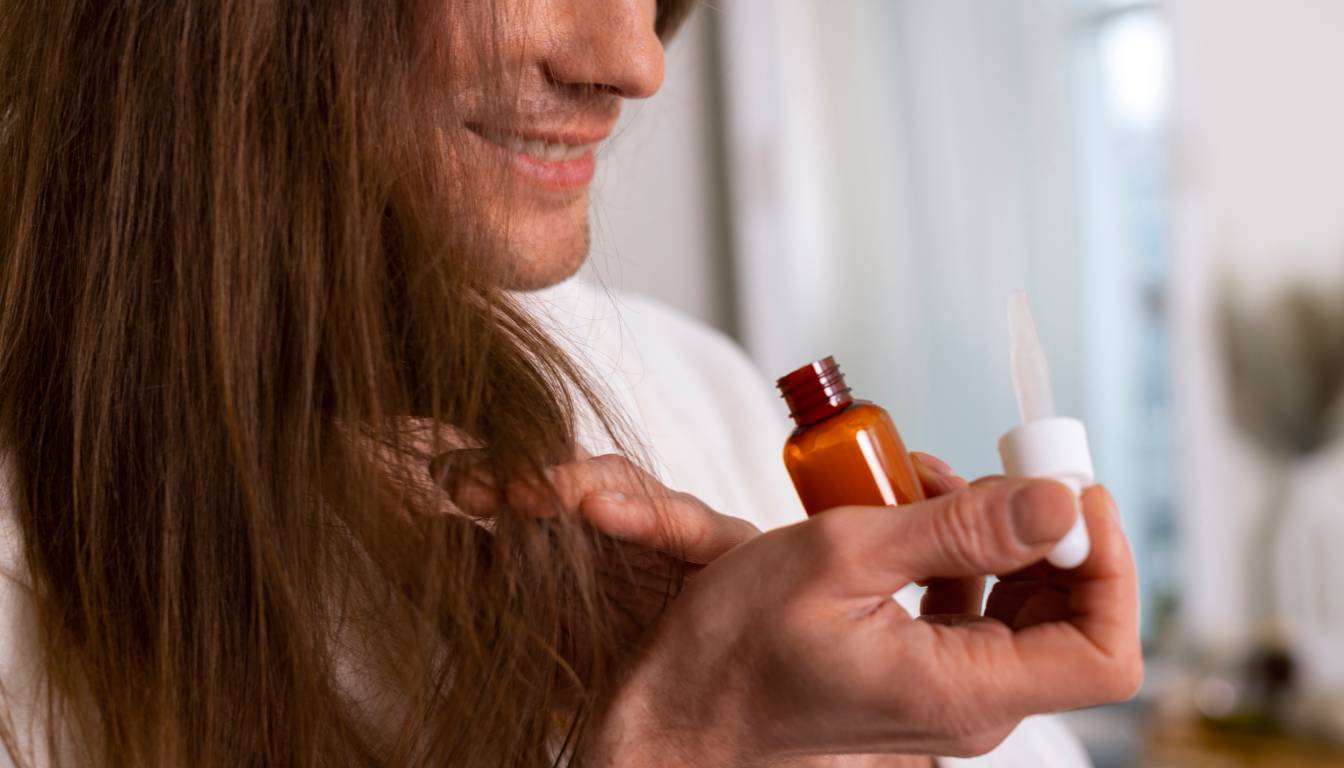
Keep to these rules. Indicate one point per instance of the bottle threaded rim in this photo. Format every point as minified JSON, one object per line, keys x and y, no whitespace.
{"x":815,"y":391}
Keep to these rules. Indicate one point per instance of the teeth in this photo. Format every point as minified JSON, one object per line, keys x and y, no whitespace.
{"x":542,"y":150}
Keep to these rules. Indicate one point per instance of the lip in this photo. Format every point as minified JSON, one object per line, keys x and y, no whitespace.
{"x":574,"y":171}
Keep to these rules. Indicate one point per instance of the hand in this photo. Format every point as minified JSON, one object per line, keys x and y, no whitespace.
{"x":656,"y":535}
{"x":937,"y":479}
{"x":656,"y":539}
{"x":790,"y":645}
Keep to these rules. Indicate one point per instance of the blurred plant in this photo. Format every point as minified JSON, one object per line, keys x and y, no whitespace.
{"x":1285,"y":365}
{"x":1285,"y":371}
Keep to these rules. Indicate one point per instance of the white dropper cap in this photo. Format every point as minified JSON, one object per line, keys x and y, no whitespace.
{"x":1046,"y":445}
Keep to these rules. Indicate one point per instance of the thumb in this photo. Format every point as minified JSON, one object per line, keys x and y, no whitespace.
{"x":994,"y":527}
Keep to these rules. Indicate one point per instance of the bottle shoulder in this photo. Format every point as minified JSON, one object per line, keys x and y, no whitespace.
{"x":860,"y":416}
{"x":865,"y":410}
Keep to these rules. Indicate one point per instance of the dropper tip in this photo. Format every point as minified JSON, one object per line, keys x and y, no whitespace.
{"x":1031,"y":371}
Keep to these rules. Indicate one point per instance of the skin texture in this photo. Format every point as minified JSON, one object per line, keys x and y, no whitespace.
{"x":567,"y":65}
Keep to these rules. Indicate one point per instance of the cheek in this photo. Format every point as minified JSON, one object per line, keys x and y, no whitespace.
{"x":535,"y":236}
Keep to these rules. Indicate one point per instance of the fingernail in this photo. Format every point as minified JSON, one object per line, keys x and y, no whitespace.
{"x":934,"y":463}
{"x":611,"y":497}
{"x":1031,"y":523}
{"x":1110,"y":503}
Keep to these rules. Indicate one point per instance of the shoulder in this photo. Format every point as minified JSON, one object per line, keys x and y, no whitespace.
{"x":709,"y":350}
{"x":686,"y":363}
{"x":590,"y":316}
{"x":20,"y":656}
{"x":15,"y":587}
{"x":633,"y":341}
{"x":13,"y":574}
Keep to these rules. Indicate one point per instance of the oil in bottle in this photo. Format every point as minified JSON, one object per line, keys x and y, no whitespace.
{"x":844,"y":451}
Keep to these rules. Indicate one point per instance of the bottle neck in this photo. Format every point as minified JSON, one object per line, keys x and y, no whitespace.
{"x":815,"y":392}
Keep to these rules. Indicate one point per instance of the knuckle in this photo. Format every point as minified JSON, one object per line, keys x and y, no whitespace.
{"x":611,"y":462}
{"x":682,"y":506}
{"x":684,"y":527}
{"x":823,"y":541}
{"x":566,"y":485}
{"x":686,"y":502}
{"x":958,"y":529}
{"x":615,"y":466}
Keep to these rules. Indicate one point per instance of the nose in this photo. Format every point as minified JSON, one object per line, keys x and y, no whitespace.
{"x":609,"y":45}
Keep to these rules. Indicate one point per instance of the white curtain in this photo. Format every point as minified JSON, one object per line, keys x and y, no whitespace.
{"x":898,"y":166}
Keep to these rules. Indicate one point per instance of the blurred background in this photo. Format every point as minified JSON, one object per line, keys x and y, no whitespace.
{"x":870,"y":178}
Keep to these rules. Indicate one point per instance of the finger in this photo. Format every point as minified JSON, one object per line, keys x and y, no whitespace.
{"x":1007,"y":598}
{"x":1021,"y":604}
{"x":572,"y":482}
{"x":1113,"y":561}
{"x":982,"y":668}
{"x":945,"y":596}
{"x":678,"y":524}
{"x":462,"y":475}
{"x":1104,"y":589}
{"x":1112,"y":558}
{"x":561,"y":489}
{"x":935,"y":475}
{"x":427,"y":437}
{"x":1094,"y":657}
{"x":953,"y":596}
{"x":625,"y":502}
{"x":988,"y":528}
{"x":1042,"y":571}
{"x":463,"y":472}
{"x":931,"y":463}
{"x":1025,"y":588}
{"x":1090,"y":656}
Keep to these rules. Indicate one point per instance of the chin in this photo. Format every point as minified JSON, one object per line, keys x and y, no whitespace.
{"x":543,"y":259}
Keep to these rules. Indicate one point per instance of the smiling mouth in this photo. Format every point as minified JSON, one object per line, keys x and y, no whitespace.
{"x":550,"y":149}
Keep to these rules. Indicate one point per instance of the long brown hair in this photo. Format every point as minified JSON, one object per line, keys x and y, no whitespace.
{"x":222,"y":279}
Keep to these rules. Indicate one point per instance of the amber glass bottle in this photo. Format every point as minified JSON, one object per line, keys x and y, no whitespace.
{"x":844,"y":451}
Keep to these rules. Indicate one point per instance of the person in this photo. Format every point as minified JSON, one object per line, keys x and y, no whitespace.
{"x":300,"y":470}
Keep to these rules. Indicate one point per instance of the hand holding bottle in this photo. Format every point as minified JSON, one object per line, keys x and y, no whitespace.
{"x":790,"y":644}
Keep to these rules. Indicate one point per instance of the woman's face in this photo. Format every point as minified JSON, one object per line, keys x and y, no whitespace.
{"x":563,"y":67}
